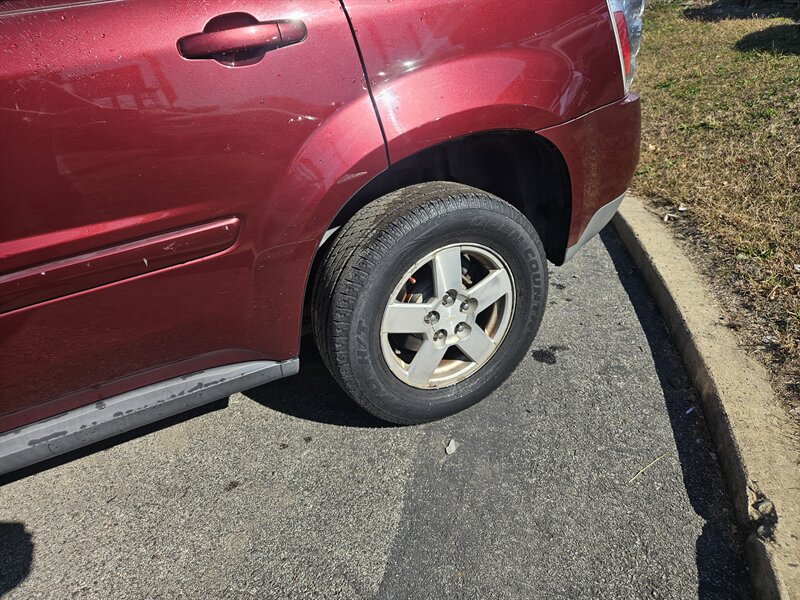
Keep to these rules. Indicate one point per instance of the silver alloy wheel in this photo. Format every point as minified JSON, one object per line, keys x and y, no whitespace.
{"x":447,"y":316}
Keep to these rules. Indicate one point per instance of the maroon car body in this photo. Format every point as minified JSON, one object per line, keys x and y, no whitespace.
{"x":160,"y":213}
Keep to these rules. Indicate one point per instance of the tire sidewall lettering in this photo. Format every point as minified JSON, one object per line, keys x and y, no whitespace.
{"x":478,"y":221}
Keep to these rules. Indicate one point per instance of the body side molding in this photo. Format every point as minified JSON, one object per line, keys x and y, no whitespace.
{"x":62,"y":277}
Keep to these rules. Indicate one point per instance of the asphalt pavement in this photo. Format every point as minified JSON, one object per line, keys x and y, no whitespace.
{"x":588,"y":474}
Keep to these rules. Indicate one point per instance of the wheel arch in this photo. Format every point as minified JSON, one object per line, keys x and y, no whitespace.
{"x":521,"y":167}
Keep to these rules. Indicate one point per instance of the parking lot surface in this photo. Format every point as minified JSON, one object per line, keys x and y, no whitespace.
{"x":588,"y":474}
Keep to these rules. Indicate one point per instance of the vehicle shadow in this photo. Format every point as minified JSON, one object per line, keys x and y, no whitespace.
{"x":722,"y":10}
{"x":16,"y":555}
{"x":313,"y":395}
{"x":778,"y":39}
{"x":721,"y":568}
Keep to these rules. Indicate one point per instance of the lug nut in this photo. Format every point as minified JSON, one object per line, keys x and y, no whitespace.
{"x":465,"y":306}
{"x":461,"y":327}
{"x":440,"y":335}
{"x":432,"y":318}
{"x":447,"y":300}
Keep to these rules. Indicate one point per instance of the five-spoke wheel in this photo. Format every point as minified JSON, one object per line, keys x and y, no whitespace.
{"x":447,"y":316}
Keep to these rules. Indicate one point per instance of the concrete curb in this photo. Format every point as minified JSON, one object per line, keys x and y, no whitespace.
{"x":755,"y":439}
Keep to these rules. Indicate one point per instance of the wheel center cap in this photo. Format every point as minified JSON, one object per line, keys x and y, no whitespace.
{"x":451,"y":316}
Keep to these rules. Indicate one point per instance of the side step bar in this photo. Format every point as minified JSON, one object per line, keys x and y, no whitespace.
{"x":82,"y":426}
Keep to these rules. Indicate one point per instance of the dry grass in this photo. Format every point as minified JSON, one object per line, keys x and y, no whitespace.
{"x":721,"y":136}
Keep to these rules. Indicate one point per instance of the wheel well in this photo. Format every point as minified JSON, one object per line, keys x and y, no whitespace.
{"x":520,"y":167}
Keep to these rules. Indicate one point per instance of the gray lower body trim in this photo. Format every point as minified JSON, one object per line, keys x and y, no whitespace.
{"x":327,"y":236}
{"x":599,"y":220}
{"x":88,"y":424}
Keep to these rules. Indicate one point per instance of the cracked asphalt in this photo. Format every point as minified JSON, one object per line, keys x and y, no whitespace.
{"x":588,"y":474}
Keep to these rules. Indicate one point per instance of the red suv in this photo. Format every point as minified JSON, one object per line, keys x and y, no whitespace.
{"x":180,"y":179}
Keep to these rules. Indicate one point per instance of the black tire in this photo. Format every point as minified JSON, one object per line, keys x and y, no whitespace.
{"x":370,"y":254}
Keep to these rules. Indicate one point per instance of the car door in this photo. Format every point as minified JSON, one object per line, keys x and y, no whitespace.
{"x":152,"y":154}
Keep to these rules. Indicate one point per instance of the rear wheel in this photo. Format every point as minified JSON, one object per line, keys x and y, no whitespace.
{"x":427,"y":300}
